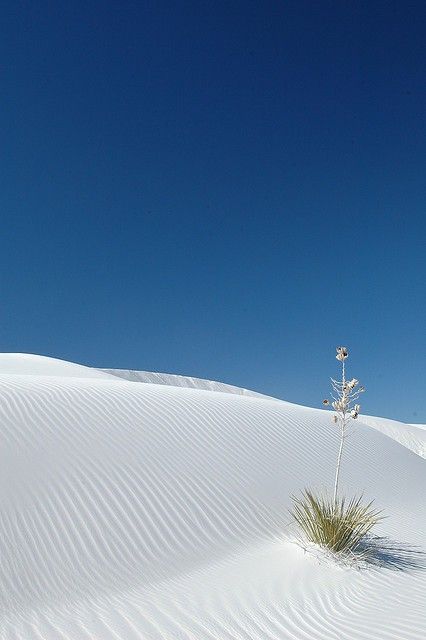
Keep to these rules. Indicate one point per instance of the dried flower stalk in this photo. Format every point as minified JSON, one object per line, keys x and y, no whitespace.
{"x":344,"y":396}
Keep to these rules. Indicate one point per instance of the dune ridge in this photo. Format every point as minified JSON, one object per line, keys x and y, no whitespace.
{"x":160,"y":512}
{"x":169,"y":379}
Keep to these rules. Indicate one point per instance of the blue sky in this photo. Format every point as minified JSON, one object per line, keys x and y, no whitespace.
{"x":224,"y":190}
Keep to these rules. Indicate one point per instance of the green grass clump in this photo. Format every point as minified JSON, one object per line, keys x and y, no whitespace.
{"x":339,"y":526}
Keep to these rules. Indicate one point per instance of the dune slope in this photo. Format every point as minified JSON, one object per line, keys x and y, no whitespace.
{"x":159,"y":512}
{"x":34,"y":365}
{"x":149,"y":377}
{"x":410,"y":435}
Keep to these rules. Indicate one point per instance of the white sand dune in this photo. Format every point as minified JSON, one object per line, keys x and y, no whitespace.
{"x":29,"y":364}
{"x":412,"y":436}
{"x":150,"y":377}
{"x":150,"y":511}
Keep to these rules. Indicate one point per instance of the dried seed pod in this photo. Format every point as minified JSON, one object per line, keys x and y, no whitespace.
{"x":342,"y":353}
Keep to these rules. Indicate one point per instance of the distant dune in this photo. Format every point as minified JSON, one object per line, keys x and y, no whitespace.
{"x":136,"y":505}
{"x":181,"y":381}
{"x":412,"y":436}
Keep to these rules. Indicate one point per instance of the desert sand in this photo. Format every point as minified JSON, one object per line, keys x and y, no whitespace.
{"x":136,"y":505}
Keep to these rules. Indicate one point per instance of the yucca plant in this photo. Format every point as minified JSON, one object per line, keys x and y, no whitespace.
{"x":337,"y":523}
{"x":339,"y":526}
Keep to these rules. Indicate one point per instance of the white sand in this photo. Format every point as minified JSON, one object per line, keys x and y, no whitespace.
{"x":149,"y":377}
{"x":151,"y":511}
{"x":412,"y":436}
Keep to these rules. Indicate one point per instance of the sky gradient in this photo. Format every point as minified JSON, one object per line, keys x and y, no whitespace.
{"x":223,"y":190}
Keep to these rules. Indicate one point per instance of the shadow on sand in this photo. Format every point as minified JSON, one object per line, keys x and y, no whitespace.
{"x":383,"y":552}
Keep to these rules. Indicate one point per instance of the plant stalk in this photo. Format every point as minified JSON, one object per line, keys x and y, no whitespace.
{"x":342,"y":437}
{"x":339,"y":458}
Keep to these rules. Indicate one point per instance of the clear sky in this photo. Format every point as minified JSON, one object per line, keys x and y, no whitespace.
{"x":226,"y":190}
